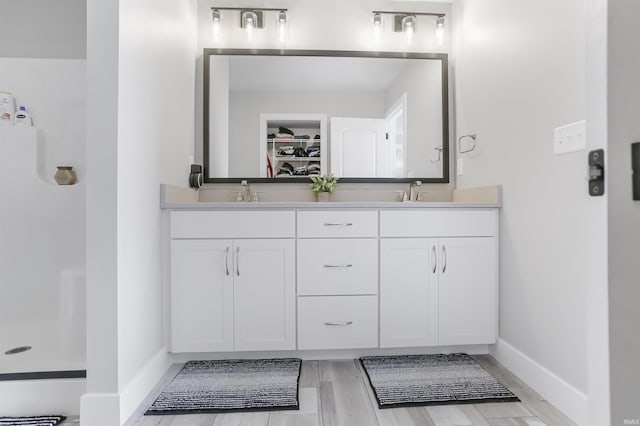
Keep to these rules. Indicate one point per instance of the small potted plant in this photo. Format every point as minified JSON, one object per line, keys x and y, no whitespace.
{"x":323,"y":186}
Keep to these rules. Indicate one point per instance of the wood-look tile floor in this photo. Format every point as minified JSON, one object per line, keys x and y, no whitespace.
{"x":337,"y":393}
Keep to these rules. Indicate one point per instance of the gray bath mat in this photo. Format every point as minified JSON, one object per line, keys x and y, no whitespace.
{"x":231,"y":385}
{"x":415,"y":380}
{"x":32,"y":420}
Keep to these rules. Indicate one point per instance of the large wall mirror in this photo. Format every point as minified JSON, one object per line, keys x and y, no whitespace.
{"x":282,"y":115}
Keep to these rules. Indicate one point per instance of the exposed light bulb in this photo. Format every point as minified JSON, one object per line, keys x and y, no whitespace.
{"x":377,"y":26}
{"x":282,"y":26}
{"x":377,"y":19}
{"x":409,"y":26}
{"x":440,"y":29}
{"x":216,"y":17}
{"x":249,"y":22}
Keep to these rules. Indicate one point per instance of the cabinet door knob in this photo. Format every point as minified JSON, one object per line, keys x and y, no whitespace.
{"x":339,"y":224}
{"x":338,"y":324}
{"x":348,"y":265}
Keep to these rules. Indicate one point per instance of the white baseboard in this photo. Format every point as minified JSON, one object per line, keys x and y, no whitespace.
{"x":142,"y":383}
{"x":572,"y":402}
{"x":100,"y":409}
{"x":111,"y":409}
{"x":327,"y":354}
{"x":40,"y":397}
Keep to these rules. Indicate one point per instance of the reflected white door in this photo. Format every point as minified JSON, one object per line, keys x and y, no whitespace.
{"x":359,"y":148}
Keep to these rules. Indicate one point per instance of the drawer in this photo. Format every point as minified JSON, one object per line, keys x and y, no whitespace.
{"x":232,"y":224}
{"x":337,"y":266}
{"x":337,"y":322}
{"x":439,"y":223}
{"x":337,"y":224}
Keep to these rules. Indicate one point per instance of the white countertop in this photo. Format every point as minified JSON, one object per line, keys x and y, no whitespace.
{"x":177,"y":198}
{"x":300,"y":205}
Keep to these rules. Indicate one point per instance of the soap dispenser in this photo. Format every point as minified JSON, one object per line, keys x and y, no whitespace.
{"x":23,"y":118}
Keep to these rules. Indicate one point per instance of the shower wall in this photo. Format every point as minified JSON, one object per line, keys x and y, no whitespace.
{"x":42,"y":232}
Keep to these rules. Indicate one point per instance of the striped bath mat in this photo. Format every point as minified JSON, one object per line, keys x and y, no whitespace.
{"x":231,"y":385}
{"x":32,"y":420}
{"x":414,"y":380}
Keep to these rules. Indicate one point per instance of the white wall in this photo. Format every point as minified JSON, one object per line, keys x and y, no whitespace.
{"x":141,"y":59}
{"x":624,"y":213}
{"x":245,"y":109}
{"x":520,"y":72}
{"x":43,"y":29}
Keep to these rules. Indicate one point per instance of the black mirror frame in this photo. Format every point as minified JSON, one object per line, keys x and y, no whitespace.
{"x":442,"y":57}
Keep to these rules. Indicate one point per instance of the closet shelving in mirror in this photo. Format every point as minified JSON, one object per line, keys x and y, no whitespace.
{"x":295,"y":145}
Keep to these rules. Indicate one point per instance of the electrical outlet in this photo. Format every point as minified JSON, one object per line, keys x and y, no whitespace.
{"x":570,"y":138}
{"x":460,"y":167}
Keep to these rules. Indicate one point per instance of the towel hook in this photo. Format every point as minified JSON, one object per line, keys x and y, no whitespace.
{"x":439,"y":149}
{"x":473,"y":137}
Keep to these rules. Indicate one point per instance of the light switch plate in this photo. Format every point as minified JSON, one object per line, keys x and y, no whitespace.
{"x":460,"y":167}
{"x":570,"y":138}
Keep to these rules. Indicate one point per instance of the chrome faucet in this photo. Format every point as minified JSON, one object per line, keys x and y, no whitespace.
{"x":246,"y":191}
{"x":413,"y":191}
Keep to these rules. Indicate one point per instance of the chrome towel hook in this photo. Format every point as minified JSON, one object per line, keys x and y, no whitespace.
{"x":439,"y":149}
{"x":473,"y":137}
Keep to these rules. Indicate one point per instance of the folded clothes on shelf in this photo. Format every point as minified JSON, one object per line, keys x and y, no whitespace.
{"x":313,"y":168}
{"x":301,"y":137}
{"x":300,"y":152}
{"x":285,"y":169}
{"x":286,"y":150}
{"x":313,"y":152}
{"x":284,"y":136}
{"x":300,"y":171}
{"x":316,"y":137}
{"x":285,"y":130}
{"x":271,"y":136}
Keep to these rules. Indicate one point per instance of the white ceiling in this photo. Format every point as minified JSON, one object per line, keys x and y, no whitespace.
{"x":295,"y":73}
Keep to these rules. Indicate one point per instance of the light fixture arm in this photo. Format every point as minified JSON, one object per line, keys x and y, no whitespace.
{"x":389,"y":12}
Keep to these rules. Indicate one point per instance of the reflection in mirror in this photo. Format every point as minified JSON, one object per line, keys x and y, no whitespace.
{"x":281,"y":117}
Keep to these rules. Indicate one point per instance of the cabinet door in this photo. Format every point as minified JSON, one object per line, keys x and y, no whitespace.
{"x":467,"y":291}
{"x":264,"y":286}
{"x":201,"y":295}
{"x":408,"y":292}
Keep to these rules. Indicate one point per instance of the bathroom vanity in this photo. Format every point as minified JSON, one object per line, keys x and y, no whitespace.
{"x":338,"y":275}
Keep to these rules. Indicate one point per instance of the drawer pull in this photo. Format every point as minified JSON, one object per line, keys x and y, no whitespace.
{"x":338,"y":324}
{"x":348,"y":265}
{"x":339,"y":224}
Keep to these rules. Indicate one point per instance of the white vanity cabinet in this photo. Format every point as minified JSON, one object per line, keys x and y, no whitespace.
{"x":337,"y":279}
{"x":236,"y":292}
{"x":438,"y":278}
{"x":253,"y":279}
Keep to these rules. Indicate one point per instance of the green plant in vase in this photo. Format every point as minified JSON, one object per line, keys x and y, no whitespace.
{"x":323,"y":186}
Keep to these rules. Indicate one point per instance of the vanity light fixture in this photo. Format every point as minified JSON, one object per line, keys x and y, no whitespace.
{"x":440,"y":29}
{"x":252,"y":19}
{"x":377,"y":19}
{"x":216,"y":17}
{"x":409,"y":26}
{"x":282,"y":26}
{"x":406,"y":21}
{"x":377,"y":26}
